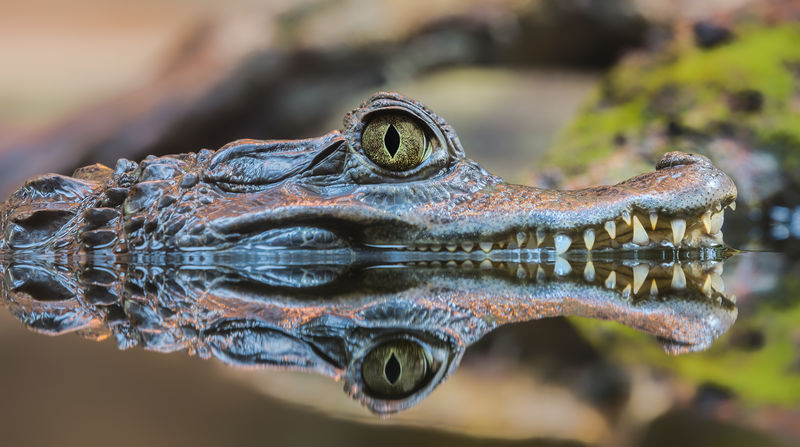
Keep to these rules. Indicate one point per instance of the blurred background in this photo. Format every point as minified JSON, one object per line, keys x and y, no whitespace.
{"x":547,"y":92}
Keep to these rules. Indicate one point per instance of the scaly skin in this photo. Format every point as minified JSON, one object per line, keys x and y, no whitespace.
{"x":325,"y":193}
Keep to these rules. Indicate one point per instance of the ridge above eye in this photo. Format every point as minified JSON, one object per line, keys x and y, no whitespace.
{"x":395,"y":141}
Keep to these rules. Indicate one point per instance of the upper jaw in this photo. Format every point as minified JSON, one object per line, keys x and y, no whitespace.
{"x":679,"y":205}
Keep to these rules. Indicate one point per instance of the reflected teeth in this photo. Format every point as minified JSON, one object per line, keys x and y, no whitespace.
{"x":436,"y":247}
{"x":467,"y":246}
{"x":451,"y":247}
{"x":541,"y":276}
{"x":588,"y":238}
{"x":642,"y":279}
{"x":653,"y":220}
{"x":653,"y":288}
{"x":639,"y":233}
{"x":678,"y":278}
{"x":678,"y":230}
{"x":611,"y":281}
{"x":588,"y":272}
{"x":562,"y":243}
{"x":716,"y":222}
{"x":640,"y":272}
{"x":716,"y":282}
{"x":706,"y":287}
{"x":611,"y":229}
{"x":486,"y":246}
{"x":562,"y":267}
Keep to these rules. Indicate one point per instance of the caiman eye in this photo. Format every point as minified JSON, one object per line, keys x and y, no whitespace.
{"x":395,"y":141}
{"x":396,"y":368}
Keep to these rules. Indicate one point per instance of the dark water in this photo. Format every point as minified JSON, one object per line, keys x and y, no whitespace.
{"x":523,"y":346}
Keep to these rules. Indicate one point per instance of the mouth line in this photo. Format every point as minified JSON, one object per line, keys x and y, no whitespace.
{"x":633,"y":230}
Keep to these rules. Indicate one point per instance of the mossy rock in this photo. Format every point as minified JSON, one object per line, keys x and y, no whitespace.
{"x":745,"y":93}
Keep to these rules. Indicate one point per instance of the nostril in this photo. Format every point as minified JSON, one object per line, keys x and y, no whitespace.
{"x":672,"y":159}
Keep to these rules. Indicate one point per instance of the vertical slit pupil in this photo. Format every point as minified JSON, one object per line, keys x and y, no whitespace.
{"x":392,"y":369}
{"x":391,"y":139}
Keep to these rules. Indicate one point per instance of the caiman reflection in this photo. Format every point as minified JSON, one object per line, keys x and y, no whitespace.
{"x":391,"y":332}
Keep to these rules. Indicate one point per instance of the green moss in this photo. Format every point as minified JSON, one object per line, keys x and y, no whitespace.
{"x":694,"y":88}
{"x":769,"y":373}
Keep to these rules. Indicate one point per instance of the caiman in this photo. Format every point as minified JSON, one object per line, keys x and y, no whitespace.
{"x":395,"y":178}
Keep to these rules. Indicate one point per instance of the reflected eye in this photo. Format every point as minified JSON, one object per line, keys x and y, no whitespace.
{"x":396,"y":368}
{"x":395,"y":141}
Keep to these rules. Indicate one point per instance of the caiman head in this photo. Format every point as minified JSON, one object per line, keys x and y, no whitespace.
{"x":395,"y":177}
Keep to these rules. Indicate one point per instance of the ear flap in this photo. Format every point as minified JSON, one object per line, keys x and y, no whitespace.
{"x":248,"y":165}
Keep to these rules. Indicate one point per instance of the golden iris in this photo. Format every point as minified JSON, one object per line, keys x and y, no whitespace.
{"x":395,"y":368}
{"x":395,"y":141}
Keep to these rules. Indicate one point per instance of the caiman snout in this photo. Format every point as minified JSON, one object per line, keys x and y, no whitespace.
{"x":679,"y":205}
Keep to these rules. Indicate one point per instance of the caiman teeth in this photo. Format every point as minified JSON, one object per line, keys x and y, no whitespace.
{"x":733,"y":205}
{"x":647,"y":229}
{"x":521,"y":239}
{"x":678,"y":278}
{"x":626,"y":216}
{"x":639,"y":233}
{"x":678,"y":230}
{"x":640,"y":272}
{"x":562,"y":242}
{"x":611,"y":229}
{"x":706,"y":287}
{"x":540,"y":235}
{"x":562,"y":267}
{"x":706,"y":219}
{"x":653,"y":288}
{"x":588,"y":271}
{"x":716,"y":282}
{"x":716,"y":222}
{"x":588,"y":238}
{"x":611,"y":281}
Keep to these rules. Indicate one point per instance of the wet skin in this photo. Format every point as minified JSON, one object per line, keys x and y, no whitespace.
{"x":394,"y":178}
{"x":391,"y":333}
